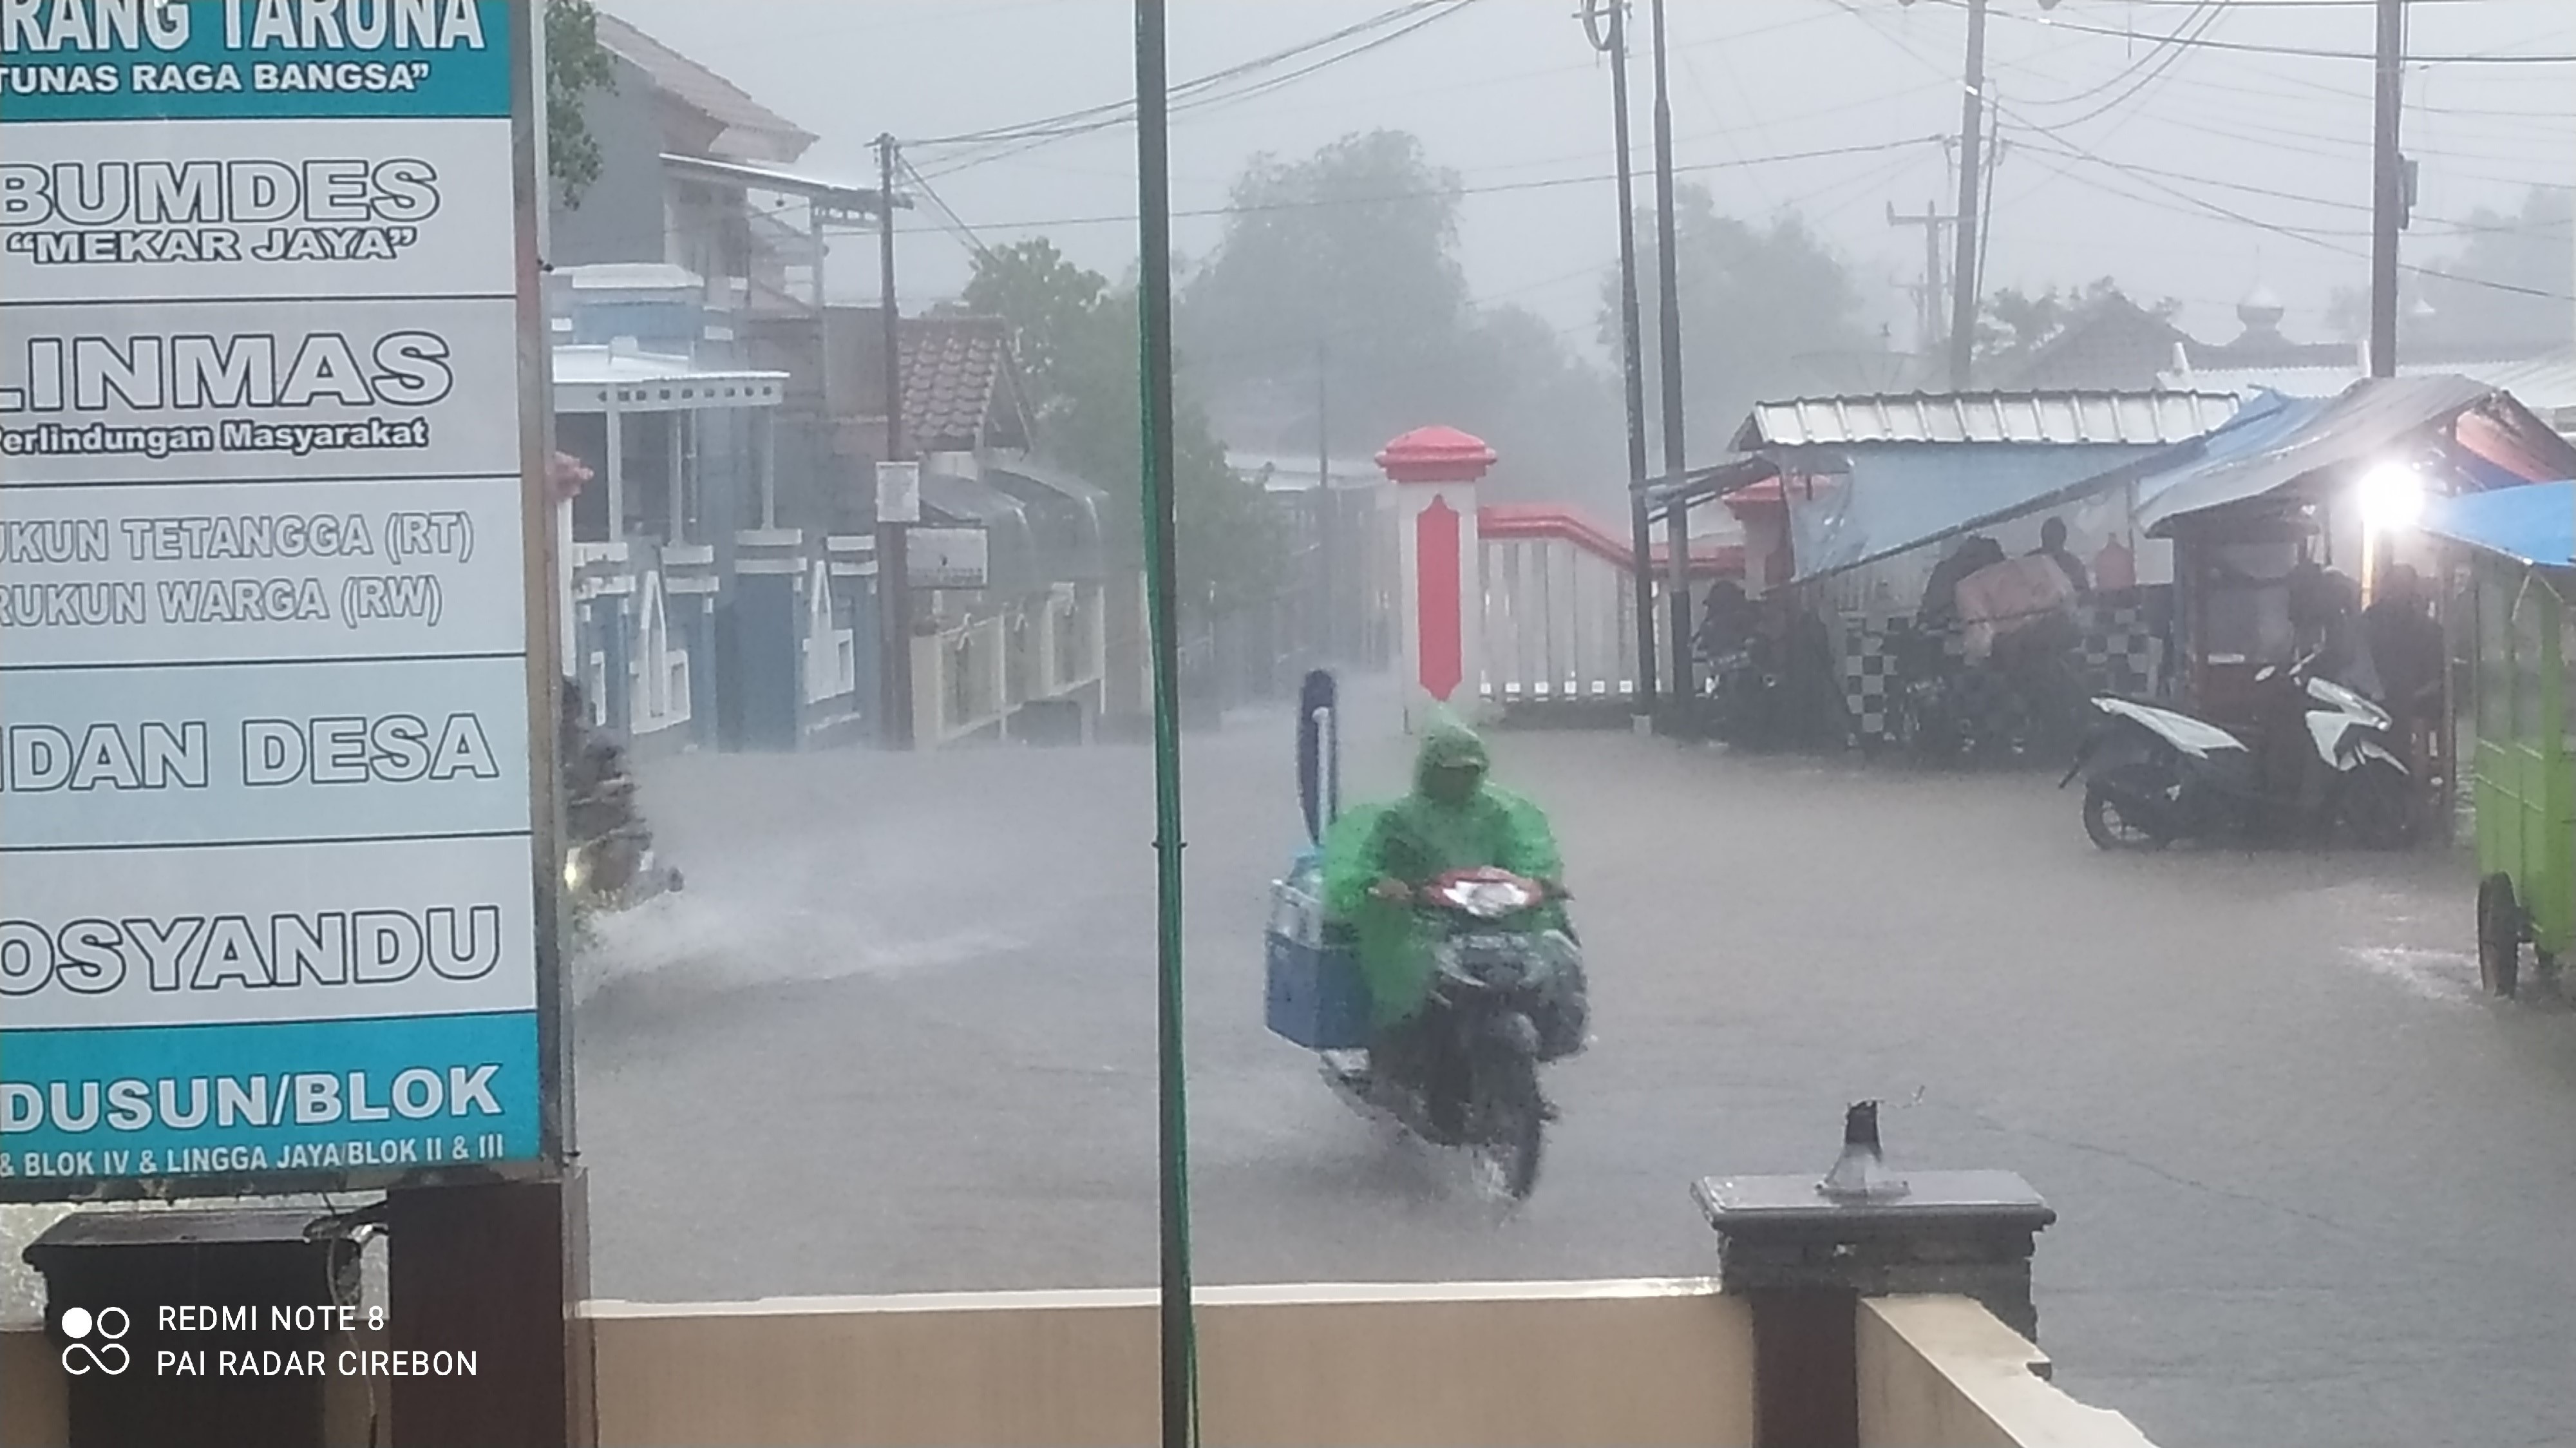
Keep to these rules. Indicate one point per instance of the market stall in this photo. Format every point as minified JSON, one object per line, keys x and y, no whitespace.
{"x":2519,"y":548}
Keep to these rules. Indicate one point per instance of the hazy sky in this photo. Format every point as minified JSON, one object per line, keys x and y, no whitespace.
{"x":2116,"y":163}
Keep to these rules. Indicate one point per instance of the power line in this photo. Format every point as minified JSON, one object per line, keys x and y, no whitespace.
{"x":954,"y":224}
{"x":2256,"y":48}
{"x":1125,"y":109}
{"x":2312,"y":236}
{"x":1495,"y":188}
{"x":2151,"y":180}
{"x":2320,"y":4}
{"x":1206,"y":92}
{"x":2349,"y":149}
{"x":2159,"y":57}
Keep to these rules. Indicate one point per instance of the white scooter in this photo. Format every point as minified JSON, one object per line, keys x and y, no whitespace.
{"x":2154,"y":776}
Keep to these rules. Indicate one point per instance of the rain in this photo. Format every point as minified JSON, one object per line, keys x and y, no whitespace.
{"x":2014,"y":583}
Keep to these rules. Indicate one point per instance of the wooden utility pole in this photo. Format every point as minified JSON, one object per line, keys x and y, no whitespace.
{"x":2388,"y":199}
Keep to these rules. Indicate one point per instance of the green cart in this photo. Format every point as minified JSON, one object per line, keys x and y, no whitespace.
{"x":2519,"y":543}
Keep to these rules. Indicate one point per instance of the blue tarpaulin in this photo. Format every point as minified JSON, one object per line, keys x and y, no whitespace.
{"x":1901,"y":497}
{"x":2535,"y":523}
{"x":2267,"y":421}
{"x":2270,"y":421}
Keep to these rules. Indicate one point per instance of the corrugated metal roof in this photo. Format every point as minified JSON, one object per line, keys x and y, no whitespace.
{"x":2366,"y":422}
{"x":2157,"y":418}
{"x":2546,"y":385}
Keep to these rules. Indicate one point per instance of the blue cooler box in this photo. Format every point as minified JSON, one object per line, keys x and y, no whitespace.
{"x":1316,"y":996}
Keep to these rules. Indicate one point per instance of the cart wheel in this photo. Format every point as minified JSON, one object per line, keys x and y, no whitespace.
{"x":2499,"y":937}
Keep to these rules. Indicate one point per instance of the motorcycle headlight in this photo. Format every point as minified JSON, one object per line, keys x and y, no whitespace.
{"x":573,"y":871}
{"x":1489,"y":899}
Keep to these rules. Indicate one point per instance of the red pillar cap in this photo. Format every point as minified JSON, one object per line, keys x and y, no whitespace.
{"x":1436,"y":455}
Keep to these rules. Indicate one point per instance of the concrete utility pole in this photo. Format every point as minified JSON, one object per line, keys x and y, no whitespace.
{"x":2388,"y":201}
{"x":1328,"y":508}
{"x":1668,"y":269}
{"x":1928,"y":311}
{"x":894,"y":560}
{"x":1963,"y":283}
{"x":1614,"y":41}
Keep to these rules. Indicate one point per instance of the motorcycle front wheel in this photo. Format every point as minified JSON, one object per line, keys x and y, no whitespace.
{"x":1509,"y":1125}
{"x":2115,"y":825}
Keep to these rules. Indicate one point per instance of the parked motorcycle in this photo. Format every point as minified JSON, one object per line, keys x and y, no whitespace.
{"x":1929,"y":718}
{"x":1744,"y":696}
{"x":2155,"y":776}
{"x":1505,"y":998}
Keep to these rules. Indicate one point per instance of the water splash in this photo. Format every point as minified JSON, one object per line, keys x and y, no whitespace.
{"x":2441,"y":975}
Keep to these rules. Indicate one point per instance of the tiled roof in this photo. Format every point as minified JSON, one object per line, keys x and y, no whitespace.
{"x":956,"y":370}
{"x":2130,"y":418}
{"x":754,"y":132}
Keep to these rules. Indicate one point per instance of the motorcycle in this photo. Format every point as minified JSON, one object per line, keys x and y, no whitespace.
{"x":1504,"y":998}
{"x":609,"y":861}
{"x":1743,"y":696}
{"x":2155,"y":776}
{"x":1503,"y":1001}
{"x":1929,"y":718}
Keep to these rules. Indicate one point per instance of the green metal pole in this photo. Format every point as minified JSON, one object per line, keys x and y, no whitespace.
{"x":1154,"y":304}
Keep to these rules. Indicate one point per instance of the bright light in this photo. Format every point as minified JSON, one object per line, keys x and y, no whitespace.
{"x":2392,"y":497}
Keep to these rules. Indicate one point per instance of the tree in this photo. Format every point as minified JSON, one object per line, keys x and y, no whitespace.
{"x":1348,"y":260}
{"x":2505,"y":289}
{"x":576,"y":65}
{"x":1351,"y":251}
{"x":1768,"y":310}
{"x":1077,"y":340}
{"x":2013,"y":325}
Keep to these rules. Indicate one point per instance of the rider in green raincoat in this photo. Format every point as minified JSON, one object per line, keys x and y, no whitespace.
{"x":1376,"y":856}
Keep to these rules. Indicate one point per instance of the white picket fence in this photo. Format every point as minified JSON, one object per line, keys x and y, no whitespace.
{"x":1560,"y":610}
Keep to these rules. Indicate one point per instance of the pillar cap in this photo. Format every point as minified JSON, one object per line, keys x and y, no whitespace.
{"x":1436,"y":455}
{"x":1797,"y":1206}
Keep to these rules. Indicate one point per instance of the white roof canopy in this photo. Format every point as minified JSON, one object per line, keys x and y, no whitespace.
{"x":591,"y":379}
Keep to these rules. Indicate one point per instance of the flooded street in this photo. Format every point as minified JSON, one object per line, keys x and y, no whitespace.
{"x":897,"y":1036}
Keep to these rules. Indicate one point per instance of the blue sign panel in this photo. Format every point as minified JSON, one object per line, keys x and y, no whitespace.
{"x":222,"y":60}
{"x":268,"y":883}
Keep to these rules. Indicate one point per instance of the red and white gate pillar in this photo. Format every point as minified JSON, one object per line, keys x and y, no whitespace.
{"x":1441,"y":599}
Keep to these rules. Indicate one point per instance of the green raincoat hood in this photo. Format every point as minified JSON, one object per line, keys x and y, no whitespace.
{"x":1415,"y":839}
{"x":1448,"y":744}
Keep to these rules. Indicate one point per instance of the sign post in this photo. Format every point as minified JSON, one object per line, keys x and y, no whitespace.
{"x":278,"y":855}
{"x":949,"y":558}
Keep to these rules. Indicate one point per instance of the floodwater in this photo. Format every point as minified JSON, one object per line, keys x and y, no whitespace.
{"x":898,"y":1036}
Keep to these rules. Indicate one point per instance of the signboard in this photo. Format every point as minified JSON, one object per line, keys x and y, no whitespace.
{"x":898,"y":492}
{"x":946,"y":557}
{"x":268,"y":872}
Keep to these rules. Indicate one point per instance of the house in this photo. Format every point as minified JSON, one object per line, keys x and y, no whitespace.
{"x":2115,"y":345}
{"x":642,"y":210}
